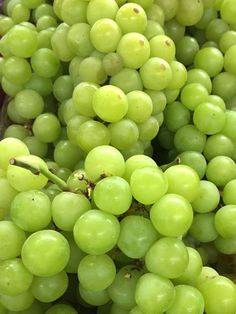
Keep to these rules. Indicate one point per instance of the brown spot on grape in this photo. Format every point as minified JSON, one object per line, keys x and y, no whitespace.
{"x":141,"y":43}
{"x":136,"y":10}
{"x":162,"y":67}
{"x":168,"y":43}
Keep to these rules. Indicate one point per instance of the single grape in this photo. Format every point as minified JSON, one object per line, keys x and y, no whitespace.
{"x":228,"y":194}
{"x":224,"y":221}
{"x":203,"y":227}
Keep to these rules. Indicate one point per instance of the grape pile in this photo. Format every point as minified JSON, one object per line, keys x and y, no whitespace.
{"x":117,"y":157}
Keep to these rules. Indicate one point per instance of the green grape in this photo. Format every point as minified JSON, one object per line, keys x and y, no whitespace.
{"x":67,"y":112}
{"x":229,"y":63}
{"x":227,"y":11}
{"x":228,"y":193}
{"x":6,"y":23}
{"x":127,"y":79}
{"x":3,"y":310}
{"x":74,"y":69}
{"x":17,"y":303}
{"x":139,"y":106}
{"x":44,"y":38}
{"x":174,"y":30}
{"x":112,"y":195}
{"x":117,"y":100}
{"x":46,"y":127}
{"x":115,"y":309}
{"x":96,"y":272}
{"x":189,"y":13}
{"x":96,"y":298}
{"x":158,"y":101}
{"x":148,"y":185}
{"x":209,"y":59}
{"x":91,"y":70}
{"x":73,"y":12}
{"x":217,"y":145}
{"x":135,"y":310}
{"x":137,"y":234}
{"x":156,"y":74}
{"x":207,"y":199}
{"x":45,"y":62}
{"x":154,"y":294}
{"x":215,"y":28}
{"x":225,"y":221}
{"x":46,"y":22}
{"x":208,"y":118}
{"x":16,"y":131}
{"x":148,"y":129}
{"x":11,"y":240}
{"x":67,"y":207}
{"x":67,"y":154}
{"x":187,"y":300}
{"x":29,"y":104}
{"x":152,"y":29}
{"x":183,"y":180}
{"x":22,"y":41}
{"x":78,"y":181}
{"x":225,"y":245}
{"x":122,"y":289}
{"x":41,"y":85}
{"x":45,"y":253}
{"x":48,"y":289}
{"x":78,"y":39}
{"x":223,"y":287}
{"x":96,"y":232}
{"x":171,"y":215}
{"x":135,"y":149}
{"x":9,"y":88}
{"x":176,"y":115}
{"x":189,"y":138}
{"x":206,"y":274}
{"x":63,"y":88}
{"x":35,"y":146}
{"x":220,"y":170}
{"x":105,"y":35}
{"x":168,"y":257}
{"x":163,"y":47}
{"x":20,"y":13}
{"x":32,"y":4}
{"x":123,"y":133}
{"x":203,"y":228}
{"x":91,"y":134}
{"x":224,"y":85}
{"x":186,"y":49}
{"x":134,"y":50}
{"x":61,"y":308}
{"x":73,"y":123}
{"x":216,"y":100}
{"x":169,"y":7}
{"x":44,"y":9}
{"x":154,"y":12}
{"x":31,"y":210}
{"x":63,"y":173}
{"x":7,"y":195}
{"x":112,"y":63}
{"x":179,"y":75}
{"x":199,"y":76}
{"x":194,"y":160}
{"x":15,"y":278}
{"x":131,"y":17}
{"x":137,"y":162}
{"x":98,"y":9}
{"x":193,"y":94}
{"x":226,"y":40}
{"x":209,"y":14}
{"x":171,"y":94}
{"x":35,"y":308}
{"x":16,"y":70}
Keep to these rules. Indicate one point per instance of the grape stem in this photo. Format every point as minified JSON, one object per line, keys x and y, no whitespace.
{"x":36,"y":170}
{"x":176,"y":161}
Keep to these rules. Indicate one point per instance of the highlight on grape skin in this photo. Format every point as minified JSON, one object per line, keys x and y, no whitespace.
{"x":117,"y":156}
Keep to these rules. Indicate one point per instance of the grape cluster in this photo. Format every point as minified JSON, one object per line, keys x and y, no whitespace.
{"x":117,"y":157}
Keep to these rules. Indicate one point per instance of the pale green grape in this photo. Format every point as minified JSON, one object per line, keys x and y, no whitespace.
{"x":31,"y":210}
{"x":224,"y":85}
{"x":154,"y":12}
{"x":199,"y":76}
{"x":15,"y":278}
{"x":176,"y":115}
{"x":10,"y":148}
{"x":63,"y":88}
{"x":7,"y":195}
{"x":112,"y":195}
{"x":122,"y":290}
{"x":127,"y":79}
{"x":189,"y":13}
{"x":11,"y":240}
{"x":225,"y":245}
{"x":229,"y":64}
{"x":229,"y":127}
{"x":175,"y":30}
{"x":163,"y":47}
{"x":96,"y":298}
{"x":228,"y":194}
{"x":91,"y":70}
{"x":78,"y":181}
{"x":23,"y":179}
{"x":156,"y":74}
{"x":187,"y":300}
{"x":134,"y":50}
{"x":29,"y":104}
{"x":67,"y":154}
{"x":73,"y":123}
{"x":225,"y":221}
{"x":153,"y":28}
{"x":44,"y":9}
{"x":35,"y":146}
{"x":41,"y":85}
{"x":208,"y":197}
{"x":16,"y":70}
{"x":171,"y":215}
{"x":137,"y":234}
{"x":98,"y":9}
{"x":203,"y":227}
{"x":61,"y":308}
{"x":46,"y":127}
{"x":158,"y":101}
{"x":110,"y":103}
{"x":96,"y":272}
{"x":44,"y":38}
{"x":96,"y":232}
{"x":193,"y":94}
{"x":148,"y":185}
{"x":48,"y":289}
{"x":112,"y":63}
{"x":105,"y":35}
{"x":35,"y":308}
{"x":209,"y":59}
{"x":167,"y":257}
{"x":19,"y":302}
{"x":227,"y":11}
{"x":73,"y":12}
{"x":45,"y":62}
{"x":154,"y":294}
{"x":227,"y":39}
{"x":183,"y":180}
{"x":179,"y":75}
{"x":131,"y":17}
{"x":115,"y":309}
{"x":78,"y":39}
{"x":223,"y":287}
{"x":67,"y":207}
{"x":45,"y":253}
{"x":169,"y":7}
{"x":140,"y":106}
{"x":218,"y":144}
